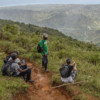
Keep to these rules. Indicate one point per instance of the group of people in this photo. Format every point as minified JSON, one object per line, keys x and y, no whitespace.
{"x":13,"y":66}
{"x":68,"y":70}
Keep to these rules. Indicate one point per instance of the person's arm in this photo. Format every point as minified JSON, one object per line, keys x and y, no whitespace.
{"x":19,"y":63}
{"x":73,"y":63}
{"x":22,"y":64}
{"x":43,"y":51}
{"x":20,"y":70}
{"x":75,"y":67}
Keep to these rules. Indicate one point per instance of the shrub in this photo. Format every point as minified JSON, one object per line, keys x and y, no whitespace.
{"x":11,"y":29}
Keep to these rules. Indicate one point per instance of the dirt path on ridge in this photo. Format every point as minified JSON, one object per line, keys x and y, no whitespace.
{"x":41,"y":89}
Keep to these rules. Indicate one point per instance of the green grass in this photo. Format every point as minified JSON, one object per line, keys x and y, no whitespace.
{"x":80,"y":97}
{"x":9,"y":86}
{"x":86,"y":55}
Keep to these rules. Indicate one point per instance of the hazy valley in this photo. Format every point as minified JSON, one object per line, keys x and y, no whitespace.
{"x":81,"y":22}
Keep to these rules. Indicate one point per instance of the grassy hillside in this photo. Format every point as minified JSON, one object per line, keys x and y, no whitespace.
{"x":14,"y":37}
{"x":81,"y":22}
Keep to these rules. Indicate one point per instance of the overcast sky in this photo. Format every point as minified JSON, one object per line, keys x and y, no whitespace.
{"x":25,"y":2}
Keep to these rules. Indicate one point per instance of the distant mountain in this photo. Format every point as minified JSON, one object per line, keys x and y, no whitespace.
{"x":82,"y":22}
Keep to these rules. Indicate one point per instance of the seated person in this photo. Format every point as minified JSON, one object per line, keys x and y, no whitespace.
{"x":68,"y":71}
{"x":26,"y":73}
{"x":22,"y":65}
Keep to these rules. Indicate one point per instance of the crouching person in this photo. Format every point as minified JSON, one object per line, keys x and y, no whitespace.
{"x":12,"y":69}
{"x":68,"y":71}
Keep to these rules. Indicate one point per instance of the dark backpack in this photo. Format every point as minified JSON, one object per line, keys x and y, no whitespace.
{"x":7,"y":58}
{"x":64,"y":71}
{"x":39,"y":48}
{"x":6,"y":69}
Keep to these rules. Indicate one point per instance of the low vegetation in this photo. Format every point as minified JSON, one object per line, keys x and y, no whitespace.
{"x":86,"y":55}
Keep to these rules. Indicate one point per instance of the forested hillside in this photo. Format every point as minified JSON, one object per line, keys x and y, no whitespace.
{"x":81,"y":22}
{"x":25,"y":38}
{"x":28,"y":28}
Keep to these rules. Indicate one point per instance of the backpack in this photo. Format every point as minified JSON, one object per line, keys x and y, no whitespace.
{"x":6,"y":69}
{"x":7,"y":58}
{"x":39,"y":48}
{"x":64,"y":71}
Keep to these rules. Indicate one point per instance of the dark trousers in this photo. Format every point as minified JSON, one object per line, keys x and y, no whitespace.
{"x":45,"y":61}
{"x":27,"y":74}
{"x":23,"y":67}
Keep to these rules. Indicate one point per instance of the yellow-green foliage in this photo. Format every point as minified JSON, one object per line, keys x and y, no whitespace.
{"x":11,"y":29}
{"x":8,"y":46}
{"x":86,"y":55}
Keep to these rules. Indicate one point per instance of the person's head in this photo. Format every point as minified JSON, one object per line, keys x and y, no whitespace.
{"x":15,"y":52}
{"x":45,"y":36}
{"x":68,"y":61}
{"x":14,"y":56}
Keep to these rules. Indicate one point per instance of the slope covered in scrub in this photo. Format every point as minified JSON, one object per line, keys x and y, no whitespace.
{"x":24,"y":38}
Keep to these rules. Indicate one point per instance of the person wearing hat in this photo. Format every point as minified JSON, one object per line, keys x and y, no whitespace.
{"x":71,"y":72}
{"x":44,"y":48}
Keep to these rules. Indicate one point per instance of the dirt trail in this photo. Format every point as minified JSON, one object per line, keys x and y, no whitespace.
{"x":41,"y":89}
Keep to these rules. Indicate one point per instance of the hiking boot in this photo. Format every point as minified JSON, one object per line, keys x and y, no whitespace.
{"x":31,"y":80}
{"x":46,"y":71}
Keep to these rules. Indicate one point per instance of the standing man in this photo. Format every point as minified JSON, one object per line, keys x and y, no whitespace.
{"x":44,"y":51}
